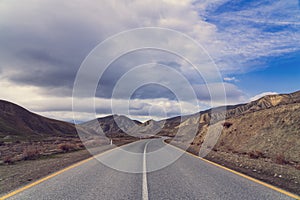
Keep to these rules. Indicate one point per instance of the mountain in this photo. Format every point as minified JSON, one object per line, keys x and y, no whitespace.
{"x":270,"y":125}
{"x":122,"y":126}
{"x":111,"y":126}
{"x":224,"y":112}
{"x":19,"y":123}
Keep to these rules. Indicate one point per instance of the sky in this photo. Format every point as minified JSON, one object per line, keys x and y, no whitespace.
{"x":254,"y":46}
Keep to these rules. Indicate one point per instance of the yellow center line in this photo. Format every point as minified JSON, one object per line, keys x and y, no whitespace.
{"x":88,"y":159}
{"x":57,"y":173}
{"x":242,"y":175}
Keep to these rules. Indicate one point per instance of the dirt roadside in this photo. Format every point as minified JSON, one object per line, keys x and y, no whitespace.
{"x":283,"y":176}
{"x":13,"y":176}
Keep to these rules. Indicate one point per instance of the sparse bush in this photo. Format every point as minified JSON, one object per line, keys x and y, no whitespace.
{"x":280,"y":159}
{"x":215,"y":149}
{"x":227,"y":124}
{"x":8,"y":159}
{"x":66,"y":147}
{"x":229,"y":149}
{"x":80,"y":145}
{"x":31,"y":153}
{"x":256,"y":154}
{"x":222,"y":143}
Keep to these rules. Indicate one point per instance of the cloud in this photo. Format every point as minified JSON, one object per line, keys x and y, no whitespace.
{"x":254,"y":31}
{"x":211,"y":94}
{"x":46,"y":47}
{"x":43,"y":44}
{"x":231,"y":79}
{"x":262,"y":95}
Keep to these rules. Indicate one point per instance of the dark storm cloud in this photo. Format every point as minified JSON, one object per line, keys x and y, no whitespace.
{"x":123,"y":65}
{"x":45,"y":46}
{"x":45,"y":49}
{"x":45,"y":63}
{"x":41,"y":56}
{"x":43,"y":43}
{"x":153,"y":91}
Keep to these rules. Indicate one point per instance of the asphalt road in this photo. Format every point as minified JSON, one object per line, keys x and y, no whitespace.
{"x":148,"y":171}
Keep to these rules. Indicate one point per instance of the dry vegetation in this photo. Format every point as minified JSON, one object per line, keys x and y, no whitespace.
{"x":24,"y":162}
{"x":259,"y":143}
{"x":11,"y":152}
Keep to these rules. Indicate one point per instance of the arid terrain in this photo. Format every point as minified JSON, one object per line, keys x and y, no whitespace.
{"x":32,"y":146}
{"x":260,"y":138}
{"x":27,"y":136}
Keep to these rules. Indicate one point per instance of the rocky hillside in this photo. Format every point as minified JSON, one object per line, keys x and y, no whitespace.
{"x":266,"y":102}
{"x":269,"y":126}
{"x":260,"y":138}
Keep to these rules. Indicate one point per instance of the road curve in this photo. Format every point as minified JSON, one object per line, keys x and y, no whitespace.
{"x":186,"y":178}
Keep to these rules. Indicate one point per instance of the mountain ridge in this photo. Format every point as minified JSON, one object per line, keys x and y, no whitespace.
{"x":15,"y":119}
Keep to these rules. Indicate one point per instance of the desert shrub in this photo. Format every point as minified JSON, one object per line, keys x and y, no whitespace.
{"x":8,"y":159}
{"x":66,"y":147}
{"x":256,"y":154}
{"x":280,"y":159}
{"x":229,"y":149}
{"x":80,"y":145}
{"x":215,"y":149}
{"x":227,"y":124}
{"x":31,"y":153}
{"x":222,"y":143}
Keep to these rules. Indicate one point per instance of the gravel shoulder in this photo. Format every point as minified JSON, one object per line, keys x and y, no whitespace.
{"x":13,"y":176}
{"x":283,"y":176}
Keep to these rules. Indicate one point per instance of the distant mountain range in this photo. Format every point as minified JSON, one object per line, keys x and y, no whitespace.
{"x":17,"y":122}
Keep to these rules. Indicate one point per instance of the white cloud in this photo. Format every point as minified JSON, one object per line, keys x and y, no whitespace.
{"x":231,"y":79}
{"x":57,"y":107}
{"x":44,"y":42}
{"x":254,"y":32}
{"x":262,"y":95}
